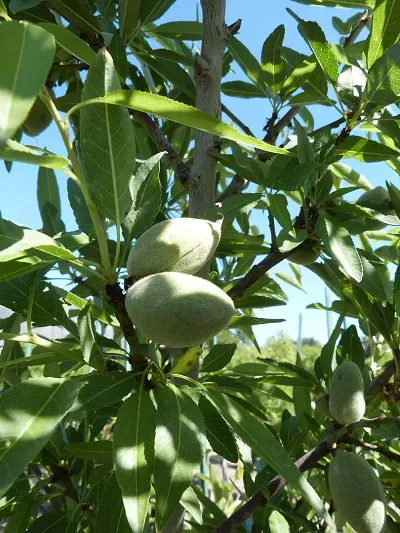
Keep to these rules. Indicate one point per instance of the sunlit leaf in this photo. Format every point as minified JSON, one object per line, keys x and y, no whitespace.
{"x":26,"y":44}
{"x":30,"y":411}
{"x":133,"y":449}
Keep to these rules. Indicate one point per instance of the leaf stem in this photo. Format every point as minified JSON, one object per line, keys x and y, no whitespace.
{"x":94,"y":214}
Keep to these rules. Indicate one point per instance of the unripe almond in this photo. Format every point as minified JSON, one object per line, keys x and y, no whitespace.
{"x":38,"y":119}
{"x":177,"y":309}
{"x":175,"y":245}
{"x":357,"y":493}
{"x":346,"y":398}
{"x":305,"y":256}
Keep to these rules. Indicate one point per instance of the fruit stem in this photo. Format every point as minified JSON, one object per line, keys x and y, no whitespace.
{"x":101,"y":234}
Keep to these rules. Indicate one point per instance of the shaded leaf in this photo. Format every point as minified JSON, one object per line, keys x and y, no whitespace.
{"x":185,"y":30}
{"x":14,"y":151}
{"x":190,"y":502}
{"x":383,"y":84}
{"x":218,"y":357}
{"x":242,"y":89}
{"x":366,"y":150}
{"x":128,"y":12}
{"x":70,"y":42}
{"x":92,"y":450}
{"x":76,"y":11}
{"x":217,"y":432}
{"x":104,"y":390}
{"x":110,"y":514}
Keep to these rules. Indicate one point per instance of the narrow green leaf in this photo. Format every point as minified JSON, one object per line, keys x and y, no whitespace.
{"x":146,"y":193}
{"x":104,"y":390}
{"x":247,"y":62}
{"x":272,"y":63}
{"x":190,"y":502}
{"x":383,"y":84}
{"x":178,"y":448}
{"x":70,"y":42}
{"x":79,"y":303}
{"x":239,"y":203}
{"x":340,"y":245}
{"x":339,"y":3}
{"x":29,"y":413}
{"x":316,"y":39}
{"x":14,"y":151}
{"x":242,"y":89}
{"x":366,"y":150}
{"x":218,"y":433}
{"x":76,"y":11}
{"x":278,"y":207}
{"x":107,"y":142}
{"x":218,"y":357}
{"x":351,"y":347}
{"x":182,"y":114}
{"x":133,"y":450}
{"x":328,"y":350}
{"x":3,"y":10}
{"x":92,"y":450}
{"x":110,"y":514}
{"x":52,"y":522}
{"x":118,"y":53}
{"x":384,"y":30}
{"x":79,"y":208}
{"x":261,"y":440}
{"x":49,"y":201}
{"x":47,"y":307}
{"x":186,"y":30}
{"x":26,"y":45}
{"x":305,"y":151}
{"x":19,"y":5}
{"x":128,"y":12}
{"x":90,"y":351}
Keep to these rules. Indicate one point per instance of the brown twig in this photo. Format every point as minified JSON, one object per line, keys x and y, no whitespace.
{"x":355,"y":32}
{"x":307,"y":462}
{"x":117,"y":300}
{"x":377,"y":385}
{"x":181,"y":169}
{"x":271,"y":223}
{"x":236,"y":120}
{"x":392,"y":456}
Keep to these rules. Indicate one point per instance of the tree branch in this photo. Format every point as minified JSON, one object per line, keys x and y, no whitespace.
{"x":236,"y":120}
{"x":307,"y":462}
{"x":378,"y":383}
{"x":378,"y":448}
{"x":208,"y":74}
{"x":355,"y":32}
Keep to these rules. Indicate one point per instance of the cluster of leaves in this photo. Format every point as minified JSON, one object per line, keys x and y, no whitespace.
{"x":99,"y":429}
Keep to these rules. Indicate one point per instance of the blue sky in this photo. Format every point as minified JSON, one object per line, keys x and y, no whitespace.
{"x":259,"y":19}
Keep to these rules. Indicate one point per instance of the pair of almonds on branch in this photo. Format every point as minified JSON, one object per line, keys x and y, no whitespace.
{"x":356,"y":490}
{"x":168,"y":304}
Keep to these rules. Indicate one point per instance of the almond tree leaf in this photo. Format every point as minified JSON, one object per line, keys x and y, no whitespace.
{"x":182,"y":114}
{"x":14,"y":151}
{"x":278,"y":523}
{"x":179,"y":441}
{"x":384,"y":30}
{"x":218,"y":357}
{"x":79,"y":208}
{"x":92,"y":450}
{"x":104,"y":390}
{"x":186,"y":30}
{"x":366,"y":150}
{"x":191,"y":503}
{"x":128,"y":12}
{"x":340,"y":245}
{"x":26,"y":45}
{"x":278,"y":207}
{"x":146,"y":193}
{"x":272,"y":63}
{"x":256,"y":435}
{"x":110,"y":511}
{"x":218,"y":433}
{"x":133,"y":450}
{"x":107,"y":142}
{"x":49,"y":203}
{"x":316,"y":39}
{"x":242,"y":89}
{"x":76,"y":12}
{"x":29,"y":413}
{"x":19,"y":5}
{"x":247,"y":62}
{"x":70,"y":42}
{"x":383,"y":84}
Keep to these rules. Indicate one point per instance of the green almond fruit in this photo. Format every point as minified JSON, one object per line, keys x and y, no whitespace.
{"x":346,"y":398}
{"x":357,"y":493}
{"x":178,"y":310}
{"x":305,"y":256}
{"x":176,"y":245}
{"x":38,"y":119}
{"x":377,"y":198}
